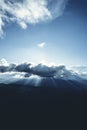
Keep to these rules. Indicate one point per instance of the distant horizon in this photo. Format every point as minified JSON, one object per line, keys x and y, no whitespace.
{"x":42,"y":62}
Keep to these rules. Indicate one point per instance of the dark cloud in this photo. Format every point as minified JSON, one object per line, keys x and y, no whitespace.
{"x":23,"y":68}
{"x":27,"y":73}
{"x":39,"y":70}
{"x":9,"y":68}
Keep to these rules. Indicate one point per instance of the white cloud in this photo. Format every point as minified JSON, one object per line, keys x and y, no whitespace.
{"x":29,"y":11}
{"x":23,"y":25}
{"x":1,"y":26}
{"x":41,"y":45}
{"x":3,"y":62}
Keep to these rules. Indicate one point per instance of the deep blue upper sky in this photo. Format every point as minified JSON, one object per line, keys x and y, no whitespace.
{"x":65,"y":38}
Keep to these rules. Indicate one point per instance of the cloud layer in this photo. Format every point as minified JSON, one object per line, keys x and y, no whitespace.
{"x":27,"y":73}
{"x":26,"y":12}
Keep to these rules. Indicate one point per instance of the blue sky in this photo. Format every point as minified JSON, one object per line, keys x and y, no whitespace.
{"x":63,"y":32}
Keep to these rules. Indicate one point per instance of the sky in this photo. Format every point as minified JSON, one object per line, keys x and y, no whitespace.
{"x":47,"y":31}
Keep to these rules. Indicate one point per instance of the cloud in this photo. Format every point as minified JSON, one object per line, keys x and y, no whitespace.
{"x":41,"y":45}
{"x":80,"y":69}
{"x":1,"y":25}
{"x":29,"y":11}
{"x":36,"y":75}
{"x":3,"y":62}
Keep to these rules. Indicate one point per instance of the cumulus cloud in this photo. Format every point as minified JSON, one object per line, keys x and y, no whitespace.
{"x":41,"y":45}
{"x":26,"y":12}
{"x":27,"y":73}
{"x":3,"y":62}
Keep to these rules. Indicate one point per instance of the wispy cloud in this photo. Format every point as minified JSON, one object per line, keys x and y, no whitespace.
{"x":41,"y":45}
{"x":29,"y":11}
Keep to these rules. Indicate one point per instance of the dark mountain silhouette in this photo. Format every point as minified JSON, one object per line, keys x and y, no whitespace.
{"x":66,"y":92}
{"x":64,"y":104}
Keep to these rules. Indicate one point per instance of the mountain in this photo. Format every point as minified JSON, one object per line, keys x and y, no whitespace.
{"x":52,"y":94}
